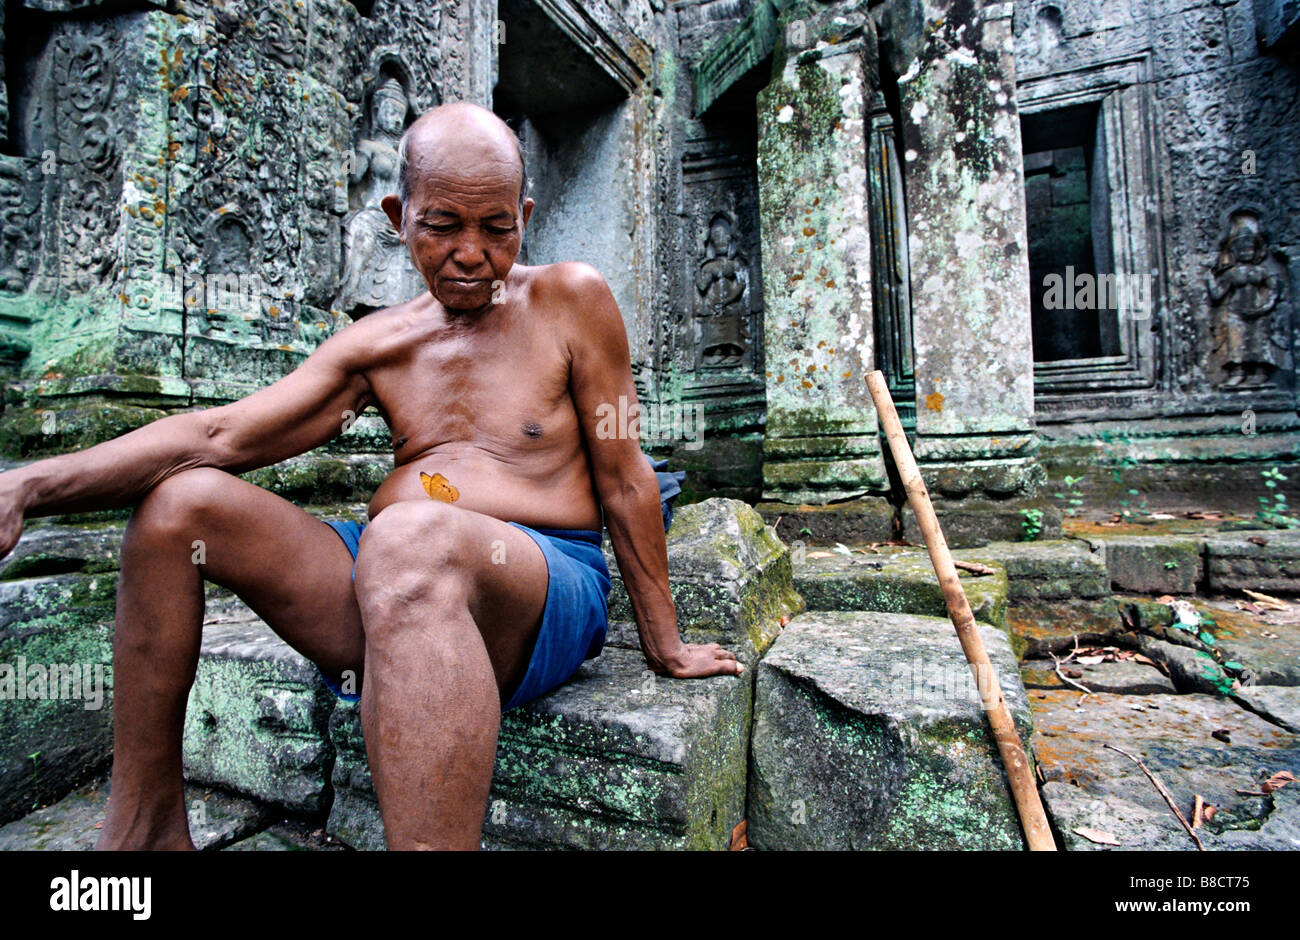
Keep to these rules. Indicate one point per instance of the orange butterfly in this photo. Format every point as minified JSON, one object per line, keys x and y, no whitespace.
{"x":438,"y":488}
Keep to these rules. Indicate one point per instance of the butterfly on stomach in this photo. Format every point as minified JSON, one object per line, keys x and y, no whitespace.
{"x":438,"y":488}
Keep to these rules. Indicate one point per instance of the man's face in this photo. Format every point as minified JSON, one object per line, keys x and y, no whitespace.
{"x":463,"y":228}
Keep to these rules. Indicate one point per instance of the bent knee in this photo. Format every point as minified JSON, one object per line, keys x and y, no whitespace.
{"x":185,"y":498}
{"x":413,"y":551}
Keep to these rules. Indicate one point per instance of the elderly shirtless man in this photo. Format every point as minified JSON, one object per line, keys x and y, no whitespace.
{"x":491,"y":384}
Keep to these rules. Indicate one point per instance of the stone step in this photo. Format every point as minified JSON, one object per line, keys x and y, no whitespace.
{"x":615,"y":758}
{"x":56,"y":703}
{"x":1127,"y":677}
{"x":258,"y":715}
{"x":869,"y":734}
{"x":894,"y":581}
{"x":730,"y":577}
{"x":1256,"y":650}
{"x":1180,"y":738}
{"x":216,"y":820}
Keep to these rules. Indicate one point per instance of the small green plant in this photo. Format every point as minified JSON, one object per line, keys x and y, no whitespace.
{"x":1130,"y":509}
{"x":1032,"y":523}
{"x":1171,"y":565}
{"x":1275,"y":512}
{"x":1070,"y":496}
{"x":805,"y":531}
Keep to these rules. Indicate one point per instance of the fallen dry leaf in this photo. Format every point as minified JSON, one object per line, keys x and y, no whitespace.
{"x":818,"y":554}
{"x":1197,"y":809}
{"x":1250,"y":607}
{"x":785,"y":618}
{"x":1097,"y":836}
{"x":1277,"y":781}
{"x":1222,"y":734}
{"x":740,"y":836}
{"x":1210,"y":811}
{"x":1089,"y":660}
{"x":1162,"y":516}
{"x":1272,"y":603}
{"x":1261,"y":542}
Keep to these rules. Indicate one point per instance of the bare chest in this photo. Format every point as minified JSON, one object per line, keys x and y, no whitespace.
{"x":505,"y":393}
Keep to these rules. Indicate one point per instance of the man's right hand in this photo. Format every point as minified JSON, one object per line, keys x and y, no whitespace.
{"x":11,"y":517}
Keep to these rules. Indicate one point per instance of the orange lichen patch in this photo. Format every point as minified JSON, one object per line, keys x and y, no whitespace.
{"x":806,"y":384}
{"x":181,"y":93}
{"x":1177,"y":526}
{"x":847,"y":374}
{"x":809,"y":231}
{"x":830,"y":284}
{"x":780,"y":378}
{"x":934,"y":401}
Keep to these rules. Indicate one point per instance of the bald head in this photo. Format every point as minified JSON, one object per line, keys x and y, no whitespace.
{"x":459,"y":137}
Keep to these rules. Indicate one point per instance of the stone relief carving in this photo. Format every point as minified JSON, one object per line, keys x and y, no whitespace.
{"x":87,"y":154}
{"x":722,"y":284}
{"x":1244,"y":286}
{"x":377,"y":271}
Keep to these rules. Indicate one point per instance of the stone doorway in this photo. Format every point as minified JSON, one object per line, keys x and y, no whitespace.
{"x":575,"y":121}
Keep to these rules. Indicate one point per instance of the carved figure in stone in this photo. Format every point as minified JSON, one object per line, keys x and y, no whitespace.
{"x":723,"y":285}
{"x":376,"y":269}
{"x":1244,"y":290}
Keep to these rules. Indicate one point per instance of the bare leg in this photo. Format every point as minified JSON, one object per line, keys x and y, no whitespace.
{"x":447,"y":630}
{"x":251,"y":540}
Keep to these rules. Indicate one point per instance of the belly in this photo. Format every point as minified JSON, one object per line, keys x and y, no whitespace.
{"x":566,"y":500}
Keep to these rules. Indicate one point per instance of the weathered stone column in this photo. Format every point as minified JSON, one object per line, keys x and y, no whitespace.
{"x":813,"y":124}
{"x":969,"y":262}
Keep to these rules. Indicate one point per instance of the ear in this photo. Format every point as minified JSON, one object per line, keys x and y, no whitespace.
{"x":528,"y":211}
{"x":392,"y":207}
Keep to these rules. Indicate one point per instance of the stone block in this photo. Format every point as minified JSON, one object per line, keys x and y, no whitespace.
{"x":895,"y":582}
{"x":858,"y":520}
{"x":972,"y":523}
{"x":1051,"y":570}
{"x":1235,"y":562}
{"x":216,"y":820}
{"x":1151,"y":564}
{"x":1088,"y":784}
{"x":1278,"y":704}
{"x":1122,"y":677}
{"x":1039,"y":628}
{"x":614,"y":759}
{"x":869,"y":734}
{"x":56,"y":678}
{"x":258,"y":716}
{"x":729,"y":574}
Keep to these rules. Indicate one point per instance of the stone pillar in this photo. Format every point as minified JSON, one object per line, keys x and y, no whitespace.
{"x":969,"y":260}
{"x":821,"y":440}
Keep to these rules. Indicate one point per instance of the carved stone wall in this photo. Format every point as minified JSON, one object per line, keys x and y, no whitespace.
{"x":708,"y":359}
{"x":1205,"y":128}
{"x":188,"y":195}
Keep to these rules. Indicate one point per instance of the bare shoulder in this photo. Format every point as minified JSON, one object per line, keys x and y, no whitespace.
{"x":376,"y":337}
{"x":578,"y":296}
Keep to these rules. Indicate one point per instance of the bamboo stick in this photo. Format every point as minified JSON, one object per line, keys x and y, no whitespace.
{"x":1023,"y":788}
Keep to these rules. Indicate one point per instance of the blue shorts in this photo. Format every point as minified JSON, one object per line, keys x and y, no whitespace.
{"x":574,"y":619}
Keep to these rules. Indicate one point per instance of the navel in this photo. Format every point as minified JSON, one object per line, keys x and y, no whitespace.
{"x":533,"y":429}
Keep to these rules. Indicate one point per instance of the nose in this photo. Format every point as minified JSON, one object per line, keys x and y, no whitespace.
{"x":468,"y":252}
